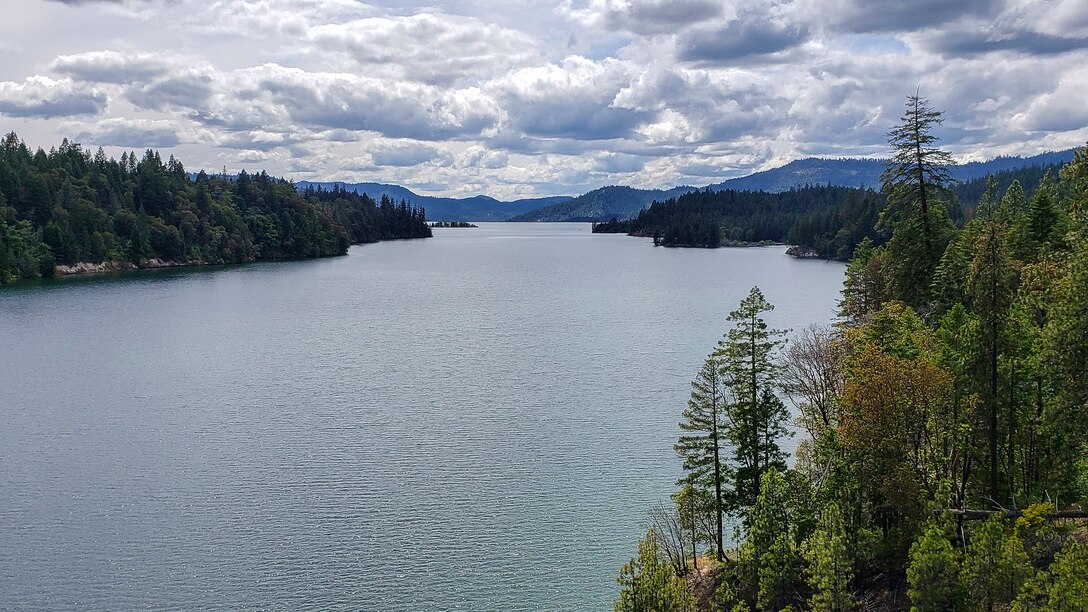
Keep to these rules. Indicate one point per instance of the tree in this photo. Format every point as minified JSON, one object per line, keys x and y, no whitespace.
{"x":648,"y":584}
{"x":995,"y":566}
{"x":1063,"y":586}
{"x":933,"y":573}
{"x":701,"y":444}
{"x":830,"y":567}
{"x":864,"y":290}
{"x":915,"y":181}
{"x":769,"y":554}
{"x":756,"y":417}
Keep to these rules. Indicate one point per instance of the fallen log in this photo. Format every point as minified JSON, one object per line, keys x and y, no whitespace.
{"x":979,"y":515}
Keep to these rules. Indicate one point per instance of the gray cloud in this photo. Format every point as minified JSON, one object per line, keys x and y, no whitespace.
{"x":134,"y":134}
{"x":109,"y":67}
{"x":187,"y":89}
{"x":572,"y":100}
{"x":740,"y":39}
{"x":957,"y":43}
{"x":902,"y":16}
{"x":648,"y":16}
{"x":403,"y":154}
{"x":321,"y":101}
{"x":44,"y":98}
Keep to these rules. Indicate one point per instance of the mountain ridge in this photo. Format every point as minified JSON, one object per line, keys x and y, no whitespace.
{"x":623,"y":202}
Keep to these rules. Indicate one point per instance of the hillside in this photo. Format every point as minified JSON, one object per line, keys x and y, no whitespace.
{"x":626,"y":202}
{"x":603,"y":203}
{"x":476,"y":208}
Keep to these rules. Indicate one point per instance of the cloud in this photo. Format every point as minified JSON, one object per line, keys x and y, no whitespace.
{"x":40,"y":97}
{"x":290,"y":98}
{"x":187,"y":88}
{"x":137,"y":134}
{"x":861,"y":16}
{"x":109,"y":67}
{"x":740,"y":39}
{"x":644,"y":17}
{"x":572,"y":99}
{"x":403,"y":154}
{"x":430,"y":48}
{"x":958,"y":43}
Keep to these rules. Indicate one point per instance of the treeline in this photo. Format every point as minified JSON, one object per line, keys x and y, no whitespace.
{"x":830,"y":220}
{"x":944,"y":464}
{"x":69,"y":206}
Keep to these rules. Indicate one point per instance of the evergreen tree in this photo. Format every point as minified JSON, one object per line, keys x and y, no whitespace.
{"x":756,"y":417}
{"x":995,"y":566}
{"x":830,"y":567}
{"x":769,"y":555}
{"x":915,"y":182}
{"x":649,"y":584}
{"x":933,"y":573}
{"x":702,"y":443}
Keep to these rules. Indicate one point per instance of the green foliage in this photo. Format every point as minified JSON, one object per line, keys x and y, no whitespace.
{"x":933,"y":573}
{"x":830,"y":566}
{"x":769,"y":556}
{"x":756,"y":417}
{"x":1062,"y":587}
{"x":995,"y":567}
{"x":831,"y":220}
{"x":915,"y":182}
{"x":702,"y":445}
{"x":649,"y":584}
{"x":68,"y":206}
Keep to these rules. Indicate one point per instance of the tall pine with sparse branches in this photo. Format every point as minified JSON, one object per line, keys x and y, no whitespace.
{"x":915,"y":182}
{"x":702,"y":443}
{"x":755,"y":415}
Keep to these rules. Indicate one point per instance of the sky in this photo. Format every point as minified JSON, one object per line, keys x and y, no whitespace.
{"x":522,"y":98}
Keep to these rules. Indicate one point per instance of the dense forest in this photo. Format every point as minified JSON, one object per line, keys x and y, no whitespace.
{"x":68,"y":206}
{"x":828,"y":220}
{"x":944,"y":419}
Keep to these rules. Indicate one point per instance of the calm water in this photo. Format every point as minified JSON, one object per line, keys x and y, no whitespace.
{"x":478,"y":421}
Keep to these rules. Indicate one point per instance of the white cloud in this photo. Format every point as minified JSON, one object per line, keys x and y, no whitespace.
{"x":517,"y":98}
{"x":40,"y":97}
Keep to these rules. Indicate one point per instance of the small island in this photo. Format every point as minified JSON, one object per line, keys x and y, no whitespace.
{"x":441,"y":224}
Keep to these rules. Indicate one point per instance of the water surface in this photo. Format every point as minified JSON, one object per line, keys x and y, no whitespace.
{"x":477,"y":421}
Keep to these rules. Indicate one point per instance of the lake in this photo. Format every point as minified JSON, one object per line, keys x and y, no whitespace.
{"x":477,"y":421}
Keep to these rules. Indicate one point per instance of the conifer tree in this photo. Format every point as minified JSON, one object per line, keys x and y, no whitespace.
{"x":830,"y":567}
{"x":915,"y":181}
{"x":995,"y":566}
{"x":703,"y":441}
{"x":756,"y":417}
{"x":933,"y":573}
{"x":647,"y":583}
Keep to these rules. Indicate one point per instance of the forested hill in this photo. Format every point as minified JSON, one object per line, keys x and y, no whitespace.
{"x":612,"y":201}
{"x":826,"y":221}
{"x":69,"y":206}
{"x":625,"y":202}
{"x":476,"y":208}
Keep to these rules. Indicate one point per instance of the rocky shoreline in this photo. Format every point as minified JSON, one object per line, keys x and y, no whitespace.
{"x":85,"y":267}
{"x":801,"y":252}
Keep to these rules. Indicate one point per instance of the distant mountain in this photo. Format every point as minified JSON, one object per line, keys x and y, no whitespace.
{"x":866,"y":172}
{"x":476,"y":208}
{"x":625,"y":202}
{"x":602,"y":204}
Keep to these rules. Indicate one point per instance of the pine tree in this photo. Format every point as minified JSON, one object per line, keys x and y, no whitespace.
{"x":649,"y":584}
{"x":933,"y":573}
{"x":769,"y":556}
{"x":702,"y":443}
{"x":756,"y":417}
{"x":830,"y":567}
{"x":995,"y":566}
{"x":915,"y":181}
